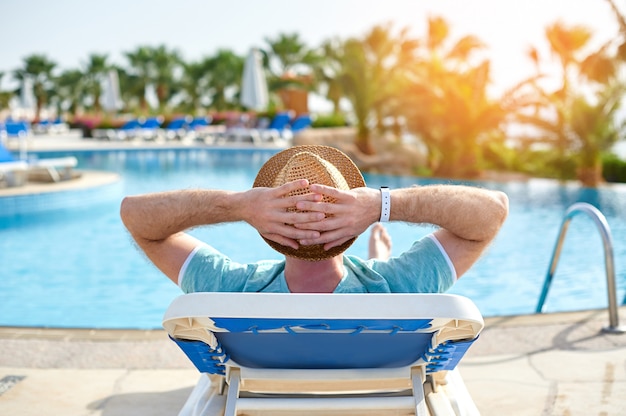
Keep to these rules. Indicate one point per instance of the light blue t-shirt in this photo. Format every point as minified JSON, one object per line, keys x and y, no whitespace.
{"x":424,"y":268}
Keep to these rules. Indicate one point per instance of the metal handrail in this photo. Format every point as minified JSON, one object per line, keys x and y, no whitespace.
{"x":605,"y":232}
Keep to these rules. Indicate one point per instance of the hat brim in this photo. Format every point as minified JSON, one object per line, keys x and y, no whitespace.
{"x":351,"y":173}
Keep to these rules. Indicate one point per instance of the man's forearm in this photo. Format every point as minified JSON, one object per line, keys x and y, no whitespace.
{"x":157,"y":216}
{"x":470,"y":213}
{"x":154,"y":217}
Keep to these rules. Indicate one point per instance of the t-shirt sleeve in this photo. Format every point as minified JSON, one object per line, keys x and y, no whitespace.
{"x":208,"y":270}
{"x":205,"y":270}
{"x":424,"y":268}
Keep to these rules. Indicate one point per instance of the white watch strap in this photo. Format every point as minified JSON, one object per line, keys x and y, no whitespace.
{"x":385,"y":204}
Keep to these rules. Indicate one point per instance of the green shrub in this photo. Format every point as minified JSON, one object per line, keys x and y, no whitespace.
{"x":107,"y":124}
{"x":329,"y":120}
{"x":613,"y":168}
{"x":546,"y":164}
{"x":499,"y":157}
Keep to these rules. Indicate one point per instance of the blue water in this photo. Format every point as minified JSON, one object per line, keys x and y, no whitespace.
{"x":79,"y":268}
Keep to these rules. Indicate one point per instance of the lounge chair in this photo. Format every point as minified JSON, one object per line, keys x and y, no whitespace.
{"x":300,"y":123}
{"x":150,"y":128}
{"x":12,"y":172}
{"x":136,"y":128}
{"x":15,"y":129}
{"x":126,"y":131}
{"x":277,"y":129}
{"x":53,"y":170}
{"x":263,"y":353}
{"x":200,"y":128}
{"x":276,"y":132}
{"x":39,"y":170}
{"x":177,"y":128}
{"x":51,"y":126}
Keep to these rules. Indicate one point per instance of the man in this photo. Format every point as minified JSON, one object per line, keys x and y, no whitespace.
{"x":310,"y":203}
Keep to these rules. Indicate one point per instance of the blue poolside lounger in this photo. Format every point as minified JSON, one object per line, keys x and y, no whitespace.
{"x":276,"y":132}
{"x":300,"y":123}
{"x":267,"y":353}
{"x":177,"y":128}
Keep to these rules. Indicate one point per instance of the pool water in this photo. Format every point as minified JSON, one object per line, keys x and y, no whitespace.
{"x":79,"y":268}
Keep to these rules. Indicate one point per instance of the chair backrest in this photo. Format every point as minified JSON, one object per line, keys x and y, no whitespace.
{"x":199,"y":122}
{"x":5,"y":154}
{"x":17,"y":128}
{"x":300,"y":123}
{"x":280,"y":121}
{"x":131,"y":125}
{"x":151,"y":123}
{"x":178,"y":123}
{"x":315,"y":331}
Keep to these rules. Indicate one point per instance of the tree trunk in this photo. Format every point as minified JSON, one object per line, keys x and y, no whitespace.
{"x":591,"y":176}
{"x":363,"y":142}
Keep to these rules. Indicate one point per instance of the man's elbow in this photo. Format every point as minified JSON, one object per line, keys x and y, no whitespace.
{"x":499,"y":212}
{"x":127,"y":211}
{"x":502,"y":206}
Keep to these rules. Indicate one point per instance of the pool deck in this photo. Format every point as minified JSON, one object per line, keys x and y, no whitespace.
{"x":549,"y":364}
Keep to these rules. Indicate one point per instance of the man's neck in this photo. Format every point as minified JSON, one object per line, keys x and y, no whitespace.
{"x":313,"y":276}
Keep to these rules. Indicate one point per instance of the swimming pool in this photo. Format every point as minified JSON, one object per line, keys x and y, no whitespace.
{"x":77,"y":267}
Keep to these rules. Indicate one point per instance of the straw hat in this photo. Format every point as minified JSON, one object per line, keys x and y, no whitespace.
{"x":320,"y":165}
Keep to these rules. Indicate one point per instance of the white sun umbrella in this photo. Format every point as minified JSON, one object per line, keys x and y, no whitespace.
{"x":151,"y":96}
{"x":254,"y":95}
{"x":28,"y":102}
{"x":112,"y":101}
{"x":28,"y":106}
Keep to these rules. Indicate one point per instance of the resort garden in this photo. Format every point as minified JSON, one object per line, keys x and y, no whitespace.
{"x":436,"y":88}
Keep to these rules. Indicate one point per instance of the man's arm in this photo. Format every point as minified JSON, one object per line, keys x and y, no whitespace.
{"x":157,"y":221}
{"x":469,"y":217}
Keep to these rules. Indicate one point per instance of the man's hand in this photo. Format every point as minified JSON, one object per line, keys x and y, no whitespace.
{"x":273,"y":213}
{"x":351,"y":214}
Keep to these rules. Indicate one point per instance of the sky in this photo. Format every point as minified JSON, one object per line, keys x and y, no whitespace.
{"x":67,"y":31}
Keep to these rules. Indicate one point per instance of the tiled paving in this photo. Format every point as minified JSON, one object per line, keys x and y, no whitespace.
{"x":553,"y":364}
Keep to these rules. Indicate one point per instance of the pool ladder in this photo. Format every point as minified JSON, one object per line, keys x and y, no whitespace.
{"x":605,"y":232}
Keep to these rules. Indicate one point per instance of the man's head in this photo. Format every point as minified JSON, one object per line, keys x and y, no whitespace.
{"x":320,"y":165}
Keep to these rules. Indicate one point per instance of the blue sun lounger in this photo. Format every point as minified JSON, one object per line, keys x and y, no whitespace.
{"x":324,"y":354}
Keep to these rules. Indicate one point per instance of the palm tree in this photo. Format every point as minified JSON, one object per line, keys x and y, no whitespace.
{"x":373,"y":71}
{"x":70,"y":90}
{"x":584,"y":107}
{"x":194,"y":85}
{"x":5,"y":96}
{"x":152,"y":66}
{"x":290,"y":63}
{"x":94,"y":72}
{"x":596,"y":123}
{"x":138,"y":76}
{"x":39,"y":68}
{"x":327,"y":71}
{"x":130,"y":88}
{"x":166,"y":65}
{"x":621,"y":20}
{"x":223,"y":71}
{"x":446,"y":102}
{"x":288,"y":60}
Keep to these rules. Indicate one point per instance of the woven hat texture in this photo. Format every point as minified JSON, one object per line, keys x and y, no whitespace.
{"x":320,"y":165}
